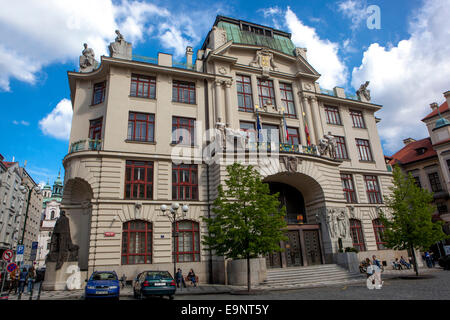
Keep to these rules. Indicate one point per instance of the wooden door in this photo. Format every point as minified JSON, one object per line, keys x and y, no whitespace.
{"x":312,"y":246}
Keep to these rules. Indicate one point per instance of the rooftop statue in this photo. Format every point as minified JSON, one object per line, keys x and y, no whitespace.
{"x":363,"y":92}
{"x":87,"y":59}
{"x":120,"y":48}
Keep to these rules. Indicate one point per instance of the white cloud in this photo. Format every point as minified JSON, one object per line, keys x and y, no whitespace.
{"x":355,"y":10}
{"x":58,"y":122}
{"x":322,"y":53}
{"x":38,"y":33}
{"x":407,"y":77}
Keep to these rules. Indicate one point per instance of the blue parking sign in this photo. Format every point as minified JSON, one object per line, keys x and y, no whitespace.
{"x":20,"y":249}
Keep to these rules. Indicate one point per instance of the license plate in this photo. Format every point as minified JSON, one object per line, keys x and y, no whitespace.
{"x":101,"y":292}
{"x":160,"y":284}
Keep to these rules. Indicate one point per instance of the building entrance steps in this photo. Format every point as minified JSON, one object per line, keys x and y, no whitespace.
{"x":324,"y":274}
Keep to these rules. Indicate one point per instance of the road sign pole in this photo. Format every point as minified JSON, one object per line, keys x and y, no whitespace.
{"x":4,"y":278}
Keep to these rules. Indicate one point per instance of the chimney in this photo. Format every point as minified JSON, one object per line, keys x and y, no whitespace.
{"x":189,"y":54}
{"x":447,"y":97}
{"x":408,"y":141}
{"x":434,"y":106}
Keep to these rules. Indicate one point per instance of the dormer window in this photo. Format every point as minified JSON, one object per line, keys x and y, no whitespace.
{"x":420,"y":151}
{"x":257,"y":30}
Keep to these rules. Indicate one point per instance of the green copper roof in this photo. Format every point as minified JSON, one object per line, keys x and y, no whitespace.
{"x":277,"y":42}
{"x":441,"y":123}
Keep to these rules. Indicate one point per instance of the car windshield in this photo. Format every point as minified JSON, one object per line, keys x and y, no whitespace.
{"x":158,"y":275}
{"x":104,"y":276}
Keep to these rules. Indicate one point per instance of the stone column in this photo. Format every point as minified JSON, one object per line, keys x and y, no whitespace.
{"x":318,"y":130}
{"x":218,"y":97}
{"x":228,"y":106}
{"x":309,"y":121}
{"x":300,"y":117}
{"x":255,"y":94}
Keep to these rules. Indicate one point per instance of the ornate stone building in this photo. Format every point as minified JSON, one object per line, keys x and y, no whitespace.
{"x":147,"y":132}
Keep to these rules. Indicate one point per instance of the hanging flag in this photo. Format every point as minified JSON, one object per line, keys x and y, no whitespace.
{"x":285,"y":127}
{"x":308,"y":138}
{"x":258,"y":126}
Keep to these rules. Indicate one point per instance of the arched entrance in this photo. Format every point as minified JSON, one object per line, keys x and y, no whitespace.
{"x":304,"y":245}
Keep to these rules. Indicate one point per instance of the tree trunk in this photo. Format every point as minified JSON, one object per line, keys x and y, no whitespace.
{"x":249,"y":283}
{"x":416,"y":269}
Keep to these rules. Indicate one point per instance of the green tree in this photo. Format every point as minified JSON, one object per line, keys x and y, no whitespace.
{"x":247,"y":220}
{"x":410,"y":226}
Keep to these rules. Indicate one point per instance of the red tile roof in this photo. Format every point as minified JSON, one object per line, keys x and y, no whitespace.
{"x":409,"y":154}
{"x":442,"y":108}
{"x":8,"y":164}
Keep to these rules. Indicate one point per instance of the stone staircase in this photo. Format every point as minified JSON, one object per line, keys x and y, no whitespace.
{"x":312,"y":276}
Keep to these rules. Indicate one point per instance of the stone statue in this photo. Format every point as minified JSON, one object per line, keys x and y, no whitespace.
{"x":328,"y":144}
{"x":220,"y":137}
{"x":61,"y":247}
{"x":290,"y":163}
{"x":363,"y":93}
{"x":87,"y":60}
{"x":120,"y":48}
{"x":342,"y":223}
{"x":119,"y":37}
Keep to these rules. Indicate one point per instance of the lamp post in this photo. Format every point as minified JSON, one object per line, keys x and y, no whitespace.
{"x":174,"y":216}
{"x":24,"y":188}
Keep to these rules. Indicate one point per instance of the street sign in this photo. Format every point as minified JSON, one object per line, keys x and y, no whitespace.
{"x":19,"y":258}
{"x":447,"y":249}
{"x":7,"y":255}
{"x":11,"y":267}
{"x":34,"y":247}
{"x":20,"y":249}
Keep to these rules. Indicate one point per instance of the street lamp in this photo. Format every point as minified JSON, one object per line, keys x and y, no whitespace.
{"x":24,"y":188}
{"x":174,"y":216}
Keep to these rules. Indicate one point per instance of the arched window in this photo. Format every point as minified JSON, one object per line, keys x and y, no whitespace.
{"x":357,"y":235}
{"x":186,"y":247}
{"x":52,"y":215}
{"x":137,"y":242}
{"x":378,"y":229}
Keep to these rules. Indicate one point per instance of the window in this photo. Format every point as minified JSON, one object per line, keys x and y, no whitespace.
{"x":270,"y":132}
{"x":184,"y":182}
{"x":139,"y":180}
{"x":257,"y":30}
{"x":183,"y":92}
{"x":348,"y":187}
{"x":244,"y":93}
{"x":143,"y":86}
{"x":183,"y":130}
{"x":266,"y":92}
{"x":95,"y":129}
{"x":333,"y":116}
{"x":417,"y":182}
{"x":99,"y":93}
{"x":357,"y":235}
{"x":378,"y":229}
{"x":141,"y":127}
{"x":52,"y":215}
{"x":293,"y":137}
{"x":186,"y":248}
{"x":442,"y":208}
{"x":373,"y":190}
{"x":358,"y":119}
{"x":341,"y":148}
{"x":364,"y":150}
{"x":249,"y":129}
{"x":137,"y":242}
{"x":435,"y":183}
{"x":287,"y":100}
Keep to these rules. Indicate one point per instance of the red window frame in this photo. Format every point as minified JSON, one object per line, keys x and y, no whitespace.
{"x":143,"y":86}
{"x":348,"y":187}
{"x":373,"y":189}
{"x":378,"y":229}
{"x":181,"y":188}
{"x":98,"y":94}
{"x":135,"y":185}
{"x":179,"y":123}
{"x":333,"y":116}
{"x":266,"y":85}
{"x":136,"y":120}
{"x":365,"y":154}
{"x":294,"y":137}
{"x":95,"y":128}
{"x":251,"y":133}
{"x":341,"y":148}
{"x":183,"y":91}
{"x":288,"y":100}
{"x":193,"y":253}
{"x":357,"y":119}
{"x":357,"y":234}
{"x":244,"y":93}
{"x":146,"y":251}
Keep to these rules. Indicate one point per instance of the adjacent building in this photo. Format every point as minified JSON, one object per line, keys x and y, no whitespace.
{"x":147,"y":132}
{"x":428,"y":160}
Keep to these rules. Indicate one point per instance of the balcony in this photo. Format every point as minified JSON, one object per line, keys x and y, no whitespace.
{"x":282,"y":148}
{"x":86,"y":145}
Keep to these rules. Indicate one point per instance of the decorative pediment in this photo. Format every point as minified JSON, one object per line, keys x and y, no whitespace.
{"x":264,"y":60}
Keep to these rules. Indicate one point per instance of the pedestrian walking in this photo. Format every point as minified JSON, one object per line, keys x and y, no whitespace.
{"x":192,"y":277}
{"x":428,"y":259}
{"x":179,"y":278}
{"x":123,"y":280}
{"x":377,"y":268}
{"x":22,"y":279}
{"x":31,"y":277}
{"x":14,"y":280}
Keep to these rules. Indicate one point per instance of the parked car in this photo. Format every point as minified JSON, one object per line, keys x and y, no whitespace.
{"x":102,"y":284}
{"x":444,"y":262}
{"x":154,"y":283}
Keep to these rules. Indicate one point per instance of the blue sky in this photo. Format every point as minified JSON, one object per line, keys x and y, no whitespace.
{"x":406,"y":60}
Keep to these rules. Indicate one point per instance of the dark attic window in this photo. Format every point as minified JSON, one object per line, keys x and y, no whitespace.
{"x":256,"y":30}
{"x":421,"y":150}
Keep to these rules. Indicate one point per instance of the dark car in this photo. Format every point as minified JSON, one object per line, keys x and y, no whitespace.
{"x":154,"y":283}
{"x":102,"y":284}
{"x":444,"y":262}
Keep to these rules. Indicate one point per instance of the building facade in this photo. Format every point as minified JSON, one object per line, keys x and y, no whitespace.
{"x":147,"y":132}
{"x":51,"y":204}
{"x":428,"y":160}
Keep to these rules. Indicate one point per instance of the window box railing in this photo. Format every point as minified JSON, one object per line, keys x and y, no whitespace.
{"x":86,"y":145}
{"x":283,"y":148}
